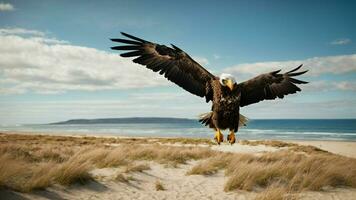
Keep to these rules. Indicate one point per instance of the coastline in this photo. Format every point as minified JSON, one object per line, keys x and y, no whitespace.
{"x":276,"y":129}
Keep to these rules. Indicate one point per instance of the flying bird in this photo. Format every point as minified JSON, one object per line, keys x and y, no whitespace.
{"x":226,"y":94}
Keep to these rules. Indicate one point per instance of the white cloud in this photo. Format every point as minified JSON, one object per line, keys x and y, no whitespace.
{"x":322,"y":86}
{"x":319,"y":86}
{"x":6,"y":7}
{"x":49,"y":40}
{"x":21,"y":31}
{"x":287,"y":108}
{"x":45,"y":65}
{"x":316,"y":66}
{"x":346,"y":85}
{"x":30,"y":61}
{"x":341,"y":41}
{"x":34,"y":35}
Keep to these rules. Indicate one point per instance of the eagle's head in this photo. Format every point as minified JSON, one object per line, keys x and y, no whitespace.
{"x":227,"y":80}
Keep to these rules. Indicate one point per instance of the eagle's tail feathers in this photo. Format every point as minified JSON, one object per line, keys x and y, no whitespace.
{"x":242,"y":121}
{"x":206,"y":119}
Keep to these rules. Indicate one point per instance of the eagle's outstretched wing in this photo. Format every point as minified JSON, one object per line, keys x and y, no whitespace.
{"x":176,"y":65}
{"x":270,"y":86}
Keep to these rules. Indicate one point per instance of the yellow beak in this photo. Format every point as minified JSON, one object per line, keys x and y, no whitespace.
{"x":230,"y":84}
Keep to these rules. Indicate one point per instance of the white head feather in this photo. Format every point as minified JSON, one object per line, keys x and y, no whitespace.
{"x":226,"y":76}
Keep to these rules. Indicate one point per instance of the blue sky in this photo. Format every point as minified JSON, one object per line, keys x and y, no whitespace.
{"x":57,"y":64}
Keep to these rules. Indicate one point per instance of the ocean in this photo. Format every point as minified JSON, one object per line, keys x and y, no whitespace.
{"x":289,"y":129}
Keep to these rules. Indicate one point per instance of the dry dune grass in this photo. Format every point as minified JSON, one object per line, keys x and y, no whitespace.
{"x":275,"y":192}
{"x":292,"y":171}
{"x":25,"y":176}
{"x":159,"y":186}
{"x":71,"y":171}
{"x":91,"y":140}
{"x":29,"y":162}
{"x":10,"y":170}
{"x":187,"y":140}
{"x":273,"y":143}
{"x":137,"y":167}
{"x":165,"y":154}
{"x":281,"y":144}
{"x":211,"y":165}
{"x":121,"y":178}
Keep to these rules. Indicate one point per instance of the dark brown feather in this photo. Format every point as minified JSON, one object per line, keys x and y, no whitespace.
{"x":270,"y":86}
{"x":126,"y":48}
{"x":172,"y":63}
{"x":131,"y":53}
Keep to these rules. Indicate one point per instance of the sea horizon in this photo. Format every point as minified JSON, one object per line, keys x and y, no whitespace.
{"x":256,"y":129}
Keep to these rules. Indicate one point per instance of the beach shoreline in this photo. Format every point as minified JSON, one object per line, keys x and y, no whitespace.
{"x":292,"y":129}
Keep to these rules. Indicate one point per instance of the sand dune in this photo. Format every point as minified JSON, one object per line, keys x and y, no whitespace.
{"x":177,"y":186}
{"x":138,"y":179}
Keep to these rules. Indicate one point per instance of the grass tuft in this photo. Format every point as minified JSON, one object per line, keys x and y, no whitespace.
{"x":121,"y":178}
{"x":159,"y":186}
{"x":72,"y":172}
{"x":137,"y":168}
{"x":275,"y":192}
{"x":211,"y":165}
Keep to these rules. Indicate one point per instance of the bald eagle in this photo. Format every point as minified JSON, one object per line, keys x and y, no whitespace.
{"x":226,"y":94}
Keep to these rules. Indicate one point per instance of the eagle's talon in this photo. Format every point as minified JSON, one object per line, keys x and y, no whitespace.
{"x":231,"y":138}
{"x":219,"y":137}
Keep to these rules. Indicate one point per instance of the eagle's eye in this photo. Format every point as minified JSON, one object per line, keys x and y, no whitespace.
{"x":224,"y":81}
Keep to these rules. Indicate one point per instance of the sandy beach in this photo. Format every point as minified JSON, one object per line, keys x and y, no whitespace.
{"x":338,"y":147}
{"x":176,"y":168}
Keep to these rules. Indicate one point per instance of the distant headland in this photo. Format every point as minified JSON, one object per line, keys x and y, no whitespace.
{"x":127,"y":120}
